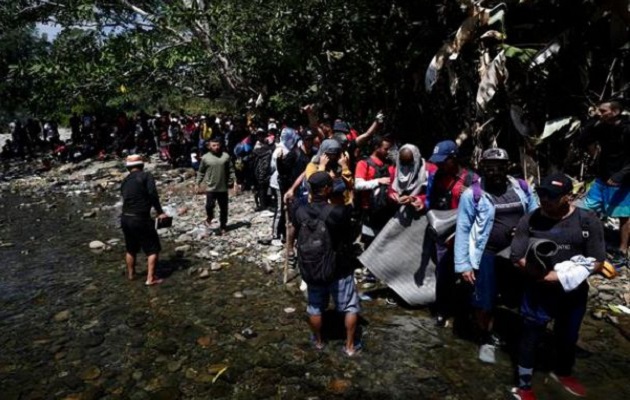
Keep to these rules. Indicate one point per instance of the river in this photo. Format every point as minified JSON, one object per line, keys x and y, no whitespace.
{"x":72,"y":327}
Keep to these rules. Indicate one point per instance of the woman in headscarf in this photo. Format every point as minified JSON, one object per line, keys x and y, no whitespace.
{"x":409,"y":179}
{"x":330,"y":158}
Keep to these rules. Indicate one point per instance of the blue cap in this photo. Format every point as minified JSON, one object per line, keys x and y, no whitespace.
{"x":341,"y":126}
{"x":444,"y":150}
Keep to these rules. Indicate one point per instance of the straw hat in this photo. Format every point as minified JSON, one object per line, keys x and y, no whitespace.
{"x":133,"y":160}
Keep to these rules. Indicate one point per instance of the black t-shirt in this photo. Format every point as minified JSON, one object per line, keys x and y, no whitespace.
{"x":581,"y":233}
{"x":140,"y":194}
{"x":338,"y":222}
{"x":508,"y":211}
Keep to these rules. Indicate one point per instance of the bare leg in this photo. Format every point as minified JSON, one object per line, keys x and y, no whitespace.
{"x":351,"y":328}
{"x":315,"y":322}
{"x":624,"y":230}
{"x":130,"y":260}
{"x":151,"y":263}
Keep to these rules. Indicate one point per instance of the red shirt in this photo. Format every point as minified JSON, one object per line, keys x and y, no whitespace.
{"x":440,"y":183}
{"x":368,"y":173}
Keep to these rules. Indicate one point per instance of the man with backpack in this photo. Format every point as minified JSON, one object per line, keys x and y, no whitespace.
{"x":446,"y":181}
{"x":557,"y":290}
{"x":322,"y":244}
{"x":488,"y":213}
{"x":261,"y":156}
{"x":372,"y":178}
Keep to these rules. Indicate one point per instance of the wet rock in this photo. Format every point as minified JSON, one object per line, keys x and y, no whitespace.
{"x":62,"y":316}
{"x":89,"y":214}
{"x":182,"y":250}
{"x":174,"y":366}
{"x":339,"y":386}
{"x":169,"y":393}
{"x":167,"y":347}
{"x":204,"y":273}
{"x":238,"y":295}
{"x":72,"y":382}
{"x":248,"y":333}
{"x":215,"y":267}
{"x":137,"y":375}
{"x":92,"y":340}
{"x":289,"y":310}
{"x":97,"y":245}
{"x":204,"y":341}
{"x":605,"y":296}
{"x":607,"y":288}
{"x":90,"y":373}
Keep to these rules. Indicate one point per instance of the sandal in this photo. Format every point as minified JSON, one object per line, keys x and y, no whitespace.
{"x":316,"y":346}
{"x":358,"y":346}
{"x":155,"y":282}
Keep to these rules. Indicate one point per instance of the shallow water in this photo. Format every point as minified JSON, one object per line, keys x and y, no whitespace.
{"x":71,"y":326}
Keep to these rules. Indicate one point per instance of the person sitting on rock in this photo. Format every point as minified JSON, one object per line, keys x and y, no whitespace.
{"x":556,"y":293}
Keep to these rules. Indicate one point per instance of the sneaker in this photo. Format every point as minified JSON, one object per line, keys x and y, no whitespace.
{"x":618,"y":259}
{"x":486,"y":353}
{"x":570,"y":384}
{"x":523,"y":394}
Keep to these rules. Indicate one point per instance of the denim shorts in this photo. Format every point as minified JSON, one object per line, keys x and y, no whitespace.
{"x":343,"y":292}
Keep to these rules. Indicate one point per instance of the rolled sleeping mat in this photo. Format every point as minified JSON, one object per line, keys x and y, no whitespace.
{"x":538,"y":257}
{"x":442,"y":224}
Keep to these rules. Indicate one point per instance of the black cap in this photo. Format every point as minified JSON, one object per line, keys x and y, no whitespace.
{"x":319,"y":180}
{"x":555,"y":185}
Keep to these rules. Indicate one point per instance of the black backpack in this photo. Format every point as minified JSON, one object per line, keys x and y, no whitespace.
{"x":378,"y":197}
{"x":316,"y":255}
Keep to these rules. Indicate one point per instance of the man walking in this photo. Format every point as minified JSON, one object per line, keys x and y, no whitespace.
{"x":139,"y":196}
{"x":214,"y":170}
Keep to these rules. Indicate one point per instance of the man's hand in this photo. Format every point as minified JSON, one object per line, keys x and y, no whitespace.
{"x":162,"y":216}
{"x":380,"y":117}
{"x":469,"y":276}
{"x":308,"y":109}
{"x":343,"y":160}
{"x":323,"y":161}
{"x":384,"y":180}
{"x":288,"y":196}
{"x":552,"y":276}
{"x":610,"y":182}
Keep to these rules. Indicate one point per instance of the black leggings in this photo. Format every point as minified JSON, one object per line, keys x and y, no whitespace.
{"x":222,"y":199}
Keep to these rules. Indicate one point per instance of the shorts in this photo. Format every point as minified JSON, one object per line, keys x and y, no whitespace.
{"x":344,"y":295}
{"x":612,"y":201}
{"x":139,"y":234}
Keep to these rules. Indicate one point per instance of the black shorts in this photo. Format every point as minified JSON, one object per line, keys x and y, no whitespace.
{"x":140,"y":233}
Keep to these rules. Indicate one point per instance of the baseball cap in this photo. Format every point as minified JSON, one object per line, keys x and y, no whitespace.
{"x":319,"y":180}
{"x":341,"y":126}
{"x":308,"y":134}
{"x":444,"y":150}
{"x":555,"y":185}
{"x":495,"y":154}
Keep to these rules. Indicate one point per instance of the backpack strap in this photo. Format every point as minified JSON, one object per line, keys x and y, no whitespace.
{"x":323,"y":216}
{"x":477,"y":192}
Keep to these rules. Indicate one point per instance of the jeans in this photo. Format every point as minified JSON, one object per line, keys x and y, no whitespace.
{"x":222,"y":198}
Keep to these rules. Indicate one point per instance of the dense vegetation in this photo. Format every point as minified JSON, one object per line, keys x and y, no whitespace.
{"x":352,"y":57}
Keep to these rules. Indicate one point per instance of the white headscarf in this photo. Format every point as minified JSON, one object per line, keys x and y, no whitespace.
{"x":410,"y":181}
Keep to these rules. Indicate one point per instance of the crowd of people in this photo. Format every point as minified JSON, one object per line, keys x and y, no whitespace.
{"x":333,"y":190}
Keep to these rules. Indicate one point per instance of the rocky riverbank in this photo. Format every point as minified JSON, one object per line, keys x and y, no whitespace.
{"x":222,"y":325}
